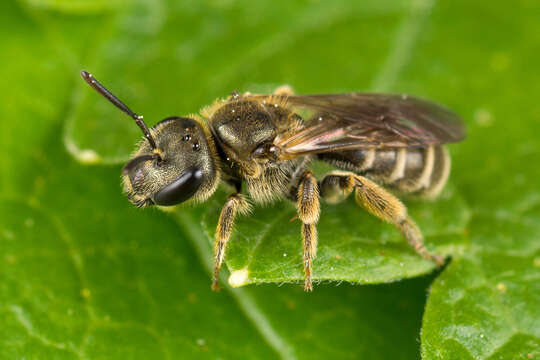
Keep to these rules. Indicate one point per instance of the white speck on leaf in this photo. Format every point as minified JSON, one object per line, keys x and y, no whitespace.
{"x":238,"y":277}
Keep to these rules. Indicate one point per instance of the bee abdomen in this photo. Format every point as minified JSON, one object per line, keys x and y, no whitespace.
{"x":412,"y":170}
{"x":439,"y":173}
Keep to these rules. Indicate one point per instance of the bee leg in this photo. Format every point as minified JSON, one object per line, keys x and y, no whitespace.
{"x":308,"y":212}
{"x":235,"y":203}
{"x":284,"y":90}
{"x":377,"y":201}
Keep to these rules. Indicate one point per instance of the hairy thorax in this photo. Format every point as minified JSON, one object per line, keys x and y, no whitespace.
{"x":241,"y":127}
{"x":276,"y":181}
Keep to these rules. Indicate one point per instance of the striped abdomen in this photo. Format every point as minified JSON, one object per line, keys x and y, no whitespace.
{"x":412,"y":170}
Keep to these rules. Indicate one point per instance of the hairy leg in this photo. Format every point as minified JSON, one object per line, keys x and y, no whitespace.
{"x":308,"y":212}
{"x":337,"y":185}
{"x":236,"y":203}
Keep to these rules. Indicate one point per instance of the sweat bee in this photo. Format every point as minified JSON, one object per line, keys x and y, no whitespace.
{"x":266,"y":143}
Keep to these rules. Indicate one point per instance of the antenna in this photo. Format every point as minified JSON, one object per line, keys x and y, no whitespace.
{"x":96,"y":85}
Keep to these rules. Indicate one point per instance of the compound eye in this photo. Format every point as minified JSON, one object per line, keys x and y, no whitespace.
{"x":181,"y":189}
{"x":133,"y":164}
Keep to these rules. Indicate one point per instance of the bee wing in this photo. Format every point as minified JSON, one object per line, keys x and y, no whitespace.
{"x":361,"y":120}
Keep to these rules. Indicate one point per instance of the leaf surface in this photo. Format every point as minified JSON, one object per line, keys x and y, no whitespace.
{"x":84,"y":275}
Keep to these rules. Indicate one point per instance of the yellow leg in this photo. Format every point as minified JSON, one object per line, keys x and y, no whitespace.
{"x":376,"y":200}
{"x":308,"y":212}
{"x":235,"y":203}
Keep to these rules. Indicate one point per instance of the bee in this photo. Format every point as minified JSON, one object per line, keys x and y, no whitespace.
{"x":263,"y":145}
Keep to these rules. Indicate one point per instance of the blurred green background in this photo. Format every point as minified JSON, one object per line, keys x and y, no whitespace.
{"x":85,"y":275}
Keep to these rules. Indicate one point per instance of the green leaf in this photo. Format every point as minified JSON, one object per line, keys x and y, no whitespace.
{"x":84,"y":275}
{"x":267,"y":247}
{"x":76,"y":6}
{"x":195,"y":52}
{"x":355,"y":255}
{"x":486,"y":305}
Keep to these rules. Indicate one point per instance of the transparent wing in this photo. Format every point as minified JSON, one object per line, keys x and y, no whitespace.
{"x":361,"y":120}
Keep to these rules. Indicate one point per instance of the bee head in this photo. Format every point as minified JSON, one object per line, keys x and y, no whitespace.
{"x":174,"y":163}
{"x":181,"y":166}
